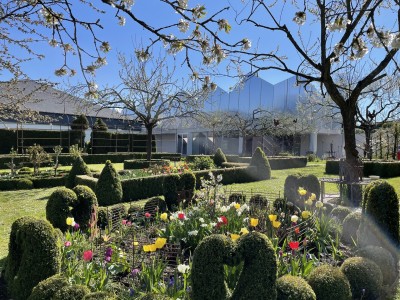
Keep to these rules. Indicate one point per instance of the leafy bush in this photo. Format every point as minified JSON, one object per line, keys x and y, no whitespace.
{"x":260,"y":161}
{"x":294,"y":288}
{"x":24,"y":184}
{"x":202,"y":163}
{"x":25,"y":171}
{"x":281,"y":163}
{"x":99,"y":296}
{"x":34,"y":255}
{"x":350,"y":227}
{"x":102,"y":217}
{"x":187,"y":181}
{"x":72,"y":292}
{"x":79,"y":167}
{"x":259,"y":201}
{"x":341,"y":212}
{"x":384,"y":259}
{"x":290,"y":187}
{"x":364,"y":276}
{"x":84,"y":209}
{"x":329,"y":283}
{"x":46,"y":289}
{"x":311,"y":157}
{"x":80,"y":123}
{"x":108,"y":187}
{"x":143,"y":163}
{"x":154,"y":205}
{"x":237,"y":197}
{"x":58,"y":207}
{"x":219,"y":158}
{"x":100,"y":125}
{"x":311,"y":184}
{"x":170,"y":188}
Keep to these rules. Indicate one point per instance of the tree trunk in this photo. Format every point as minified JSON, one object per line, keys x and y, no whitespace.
{"x":149,"y":129}
{"x":368,"y":148}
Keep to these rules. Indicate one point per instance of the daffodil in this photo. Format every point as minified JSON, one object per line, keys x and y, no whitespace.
{"x":308,"y":202}
{"x":313,"y":197}
{"x":301,"y":191}
{"x":146,"y":248}
{"x":164,"y":216}
{"x":276,"y":224}
{"x":135,"y":244}
{"x":253,"y":222}
{"x":244,"y":231}
{"x":305,"y":214}
{"x":319,"y":204}
{"x":237,"y":205}
{"x":234,"y":237}
{"x":160,"y":242}
{"x":272,"y":217}
{"x":70,"y":221}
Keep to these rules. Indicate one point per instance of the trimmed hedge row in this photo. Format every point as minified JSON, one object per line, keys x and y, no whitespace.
{"x":384,"y":169}
{"x":37,"y":182}
{"x":142,"y":163}
{"x":90,"y":158}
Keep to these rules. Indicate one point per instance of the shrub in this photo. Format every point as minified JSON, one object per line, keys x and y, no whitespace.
{"x":350,"y":227}
{"x":34,"y":255}
{"x":329,"y":283}
{"x":25,"y":171}
{"x":382,"y":209}
{"x":78,"y":168}
{"x":290,"y":187}
{"x":237,"y":197}
{"x":294,"y":288}
{"x":311,"y":184}
{"x":384,"y":259}
{"x":72,"y":292}
{"x":58,"y":207}
{"x":170,"y":188}
{"x":219,"y":158}
{"x":341,"y":212}
{"x":24,"y":184}
{"x":311,"y":157}
{"x":202,"y":163}
{"x":187,"y":181}
{"x":80,"y":123}
{"x":99,"y":296}
{"x":84,"y":208}
{"x":102,"y":217}
{"x":46,"y":289}
{"x":108,"y":187}
{"x":260,"y":161}
{"x":154,"y":205}
{"x":364,"y":276}
{"x":259,"y":201}
{"x":100,"y":125}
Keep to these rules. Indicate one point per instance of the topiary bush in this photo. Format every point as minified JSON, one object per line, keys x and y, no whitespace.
{"x":364,"y":276}
{"x":79,"y":167}
{"x":34,"y":255}
{"x":46,"y":289}
{"x":84,"y":208}
{"x":290,"y":187}
{"x":329,"y":283}
{"x":290,"y":287}
{"x":108,"y":187}
{"x":311,"y":184}
{"x":154,"y":205}
{"x":350,"y":227}
{"x":259,"y":201}
{"x":100,"y":125}
{"x":260,"y":161}
{"x":202,"y":163}
{"x":58,"y":207}
{"x":99,"y":296}
{"x":24,"y":184}
{"x":237,"y":197}
{"x":72,"y":292}
{"x":340,"y":212}
{"x":384,"y":259}
{"x":187,"y":181}
{"x":170,"y":188}
{"x":219,"y":158}
{"x":25,"y":171}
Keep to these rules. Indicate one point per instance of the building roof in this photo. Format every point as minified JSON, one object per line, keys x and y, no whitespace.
{"x":44,"y":98}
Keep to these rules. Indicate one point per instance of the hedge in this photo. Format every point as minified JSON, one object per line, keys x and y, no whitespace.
{"x":384,"y":169}
{"x":276,"y":163}
{"x":38,"y":182}
{"x":142,"y":163}
{"x":86,"y":180}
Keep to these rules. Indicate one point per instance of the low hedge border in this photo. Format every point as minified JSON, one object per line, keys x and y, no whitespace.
{"x":38,"y":182}
{"x":384,"y":169}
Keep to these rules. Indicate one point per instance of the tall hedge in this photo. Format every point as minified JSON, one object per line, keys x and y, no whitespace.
{"x":34,"y":255}
{"x":260,"y":161}
{"x":58,"y":207}
{"x":108,"y":187}
{"x":219,"y":158}
{"x":79,"y":167}
{"x":84,"y":209}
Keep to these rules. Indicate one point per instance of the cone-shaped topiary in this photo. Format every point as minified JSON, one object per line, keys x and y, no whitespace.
{"x":364,"y":276}
{"x":46,"y":289}
{"x":260,"y":161}
{"x":187,"y":181}
{"x":84,"y":209}
{"x":100,"y":125}
{"x":79,"y":167}
{"x":72,"y":292}
{"x":34,"y":255}
{"x":58,"y":207}
{"x":170,"y":188}
{"x":80,"y":123}
{"x":108,"y":187}
{"x":350,"y":227}
{"x":329,"y":283}
{"x":99,"y":296}
{"x":219,"y":158}
{"x":294,"y":288}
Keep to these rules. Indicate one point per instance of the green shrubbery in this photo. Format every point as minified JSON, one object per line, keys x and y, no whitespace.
{"x":84,"y":210}
{"x":219,"y":158}
{"x":202,"y":163}
{"x":71,"y":292}
{"x":79,"y":167}
{"x":329,"y":283}
{"x":350,"y":227}
{"x":24,"y":184}
{"x":308,"y":182}
{"x":144,"y":164}
{"x":34,"y":254}
{"x":99,"y":296}
{"x":364,"y":276}
{"x":46,"y":289}
{"x":170,"y":189}
{"x":341,"y":212}
{"x":294,"y":288}
{"x":108,"y":187}
{"x":259,"y":201}
{"x":155,"y":205}
{"x":58,"y":207}
{"x":260,"y":161}
{"x":237,"y":197}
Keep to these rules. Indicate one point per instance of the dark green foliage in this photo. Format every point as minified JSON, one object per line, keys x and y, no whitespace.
{"x":72,"y":292}
{"x":202,"y":163}
{"x":46,"y":289}
{"x":260,"y":161}
{"x":384,"y":169}
{"x":341,"y":212}
{"x":229,"y":175}
{"x":237,"y":197}
{"x":143,"y":163}
{"x":384,"y":259}
{"x":102,"y":217}
{"x":170,"y":188}
{"x":329,"y":283}
{"x":34,"y":255}
{"x":86,"y":180}
{"x":382,"y":210}
{"x":85,"y":206}
{"x":311,"y":184}
{"x":332,"y":167}
{"x":259,"y":201}
{"x":290,"y":188}
{"x":99,"y":296}
{"x":308,"y":182}
{"x":219,"y":158}
{"x":80,"y":123}
{"x":58,"y":207}
{"x":99,"y":125}
{"x":108,"y":187}
{"x":350,"y":227}
{"x":79,"y":167}
{"x":187,"y":181}
{"x":294,"y":288}
{"x":364,"y":276}
{"x":24,"y":184}
{"x":142,"y":188}
{"x":25,"y":170}
{"x":154,"y":205}
{"x":281,"y":163}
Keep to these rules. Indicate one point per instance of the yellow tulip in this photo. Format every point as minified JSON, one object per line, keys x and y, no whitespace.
{"x":160,"y":242}
{"x":70,"y":221}
{"x":253,"y":222}
{"x":305,"y":214}
{"x":276,"y":224}
{"x":319,"y":204}
{"x":164,"y":216}
{"x":237,"y":205}
{"x":135,"y":244}
{"x":272,"y":217}
{"x":308,"y":202}
{"x":313,"y":197}
{"x":302,"y":191}
{"x":146,"y":248}
{"x":234,"y":237}
{"x":244,"y":231}
{"x":152,"y":247}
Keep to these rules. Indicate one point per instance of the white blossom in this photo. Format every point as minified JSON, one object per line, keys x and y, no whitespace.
{"x":60,"y":72}
{"x":300,"y":17}
{"x":204,"y":225}
{"x":183,"y":25}
{"x":246,"y":44}
{"x":183,"y":4}
{"x":183,"y":268}
{"x":193,"y":232}
{"x":121,"y":21}
{"x":201,"y":220}
{"x":105,"y":47}
{"x":396,"y":41}
{"x":339,"y":24}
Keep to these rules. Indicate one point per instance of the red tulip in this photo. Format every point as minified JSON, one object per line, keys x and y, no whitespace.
{"x":297,"y":230}
{"x":87,"y":255}
{"x":294,"y":245}
{"x":181,"y":216}
{"x":147,"y":215}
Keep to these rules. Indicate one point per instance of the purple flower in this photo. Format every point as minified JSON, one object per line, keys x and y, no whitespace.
{"x":76,"y":226}
{"x":131,"y":292}
{"x":134,"y":272}
{"x":108,"y":258}
{"x":109,"y":251}
{"x":171,"y":281}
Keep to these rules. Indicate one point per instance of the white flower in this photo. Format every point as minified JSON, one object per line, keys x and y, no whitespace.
{"x":53,"y":43}
{"x":183,"y":269}
{"x":183,"y":3}
{"x":294,"y":219}
{"x":213,"y":224}
{"x":319,"y":204}
{"x":204,"y":225}
{"x":246,"y":44}
{"x":121,"y":21}
{"x":219,"y":177}
{"x":396,"y":41}
{"x":183,"y":25}
{"x":201,"y":220}
{"x":300,"y":17}
{"x":339,"y":24}
{"x":193,"y":232}
{"x":224,"y":208}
